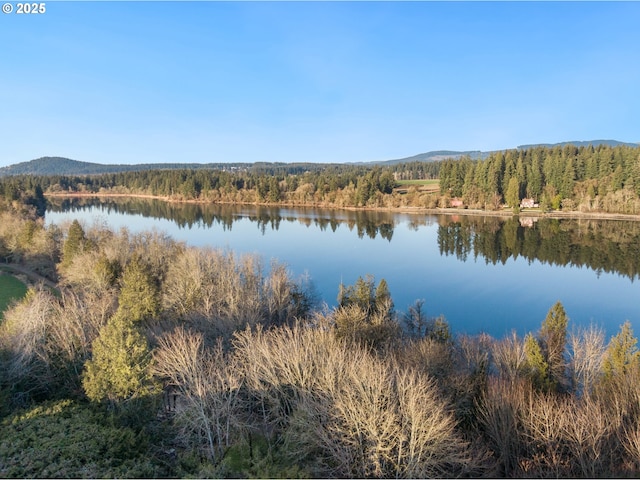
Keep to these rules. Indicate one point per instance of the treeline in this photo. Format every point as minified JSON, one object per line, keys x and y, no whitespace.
{"x":332,"y":185}
{"x":154,"y":359}
{"x":63,"y":166}
{"x":602,"y":245}
{"x":263,"y":184}
{"x":585,"y":178}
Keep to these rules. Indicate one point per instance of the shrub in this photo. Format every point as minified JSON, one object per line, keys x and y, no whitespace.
{"x":345,"y":410}
{"x":67,"y":440}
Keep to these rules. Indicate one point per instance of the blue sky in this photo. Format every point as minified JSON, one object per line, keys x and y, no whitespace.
{"x":140,"y":82}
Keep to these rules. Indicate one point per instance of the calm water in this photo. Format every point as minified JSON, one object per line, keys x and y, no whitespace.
{"x":482,"y":273}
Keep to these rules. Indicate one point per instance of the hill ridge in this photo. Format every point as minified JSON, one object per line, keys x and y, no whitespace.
{"x":52,"y":165}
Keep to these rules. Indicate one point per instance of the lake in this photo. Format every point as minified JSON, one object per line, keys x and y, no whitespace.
{"x":483,"y":273}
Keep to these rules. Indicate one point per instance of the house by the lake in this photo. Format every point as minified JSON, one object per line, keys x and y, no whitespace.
{"x":528,"y":203}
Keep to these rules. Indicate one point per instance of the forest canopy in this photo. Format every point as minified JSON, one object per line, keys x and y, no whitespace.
{"x":585,"y":178}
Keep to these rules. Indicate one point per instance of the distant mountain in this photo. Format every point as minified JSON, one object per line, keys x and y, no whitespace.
{"x":436,"y":155}
{"x":595,"y":143}
{"x":65,"y":166}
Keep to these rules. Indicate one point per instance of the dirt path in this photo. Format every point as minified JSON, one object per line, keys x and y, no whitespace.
{"x":34,"y":277}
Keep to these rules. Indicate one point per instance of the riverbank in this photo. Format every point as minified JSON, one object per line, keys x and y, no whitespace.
{"x":528,"y":212}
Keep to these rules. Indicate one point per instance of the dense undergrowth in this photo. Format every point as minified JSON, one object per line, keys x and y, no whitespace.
{"x":156,"y":359}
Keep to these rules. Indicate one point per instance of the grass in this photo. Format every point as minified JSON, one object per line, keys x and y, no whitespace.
{"x":10,"y":289}
{"x":429,"y":186}
{"x":418,"y":182}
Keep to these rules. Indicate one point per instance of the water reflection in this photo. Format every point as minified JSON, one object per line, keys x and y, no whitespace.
{"x":601,"y":245}
{"x":611,"y":246}
{"x":188,"y":215}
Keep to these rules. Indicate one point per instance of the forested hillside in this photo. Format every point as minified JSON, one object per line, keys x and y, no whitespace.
{"x":437,"y":155}
{"x":340,"y":186}
{"x":582,"y":178}
{"x":569,"y":178}
{"x":148,"y":358}
{"x":585,"y":179}
{"x":66,"y":166}
{"x":582,"y":143}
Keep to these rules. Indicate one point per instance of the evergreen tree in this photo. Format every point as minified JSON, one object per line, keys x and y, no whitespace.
{"x":107,"y":271}
{"x":536,"y":365}
{"x":365,"y":313}
{"x":74,"y":243}
{"x":119,"y":367}
{"x":383,"y":301}
{"x":568,"y":180}
{"x":139,"y":297}
{"x":513,"y":194}
{"x":617,"y":180}
{"x":521,"y":173}
{"x":469,"y":189}
{"x":364,"y":293}
{"x":553,"y":337}
{"x":635,"y":172}
{"x":494,"y":175}
{"x":274,"y":190}
{"x":387,"y":182}
{"x":508,"y":171}
{"x":534,"y":185}
{"x":622,"y":355}
{"x":416,"y":320}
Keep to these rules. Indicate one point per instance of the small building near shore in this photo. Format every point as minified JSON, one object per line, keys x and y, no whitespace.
{"x":528,"y":203}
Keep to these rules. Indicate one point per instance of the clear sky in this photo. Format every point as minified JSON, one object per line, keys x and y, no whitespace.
{"x":140,"y":82}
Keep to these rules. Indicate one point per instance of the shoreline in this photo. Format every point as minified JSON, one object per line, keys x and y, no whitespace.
{"x":576,"y":215}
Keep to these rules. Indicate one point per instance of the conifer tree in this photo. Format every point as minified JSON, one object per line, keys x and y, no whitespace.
{"x":513,"y":194}
{"x":139,"y":297}
{"x":383,"y":302}
{"x":365,"y":313}
{"x":622,"y":356}
{"x":537,"y":366}
{"x":119,"y":368}
{"x":534,"y":185}
{"x":553,"y":339}
{"x":74,"y":243}
{"x":568,"y":180}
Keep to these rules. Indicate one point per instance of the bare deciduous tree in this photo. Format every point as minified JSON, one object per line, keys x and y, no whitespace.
{"x":509,"y":357}
{"x":221,"y":294}
{"x":359,"y":415}
{"x":587,"y":348}
{"x":500,"y":416}
{"x":208,"y":385}
{"x":23,"y":335}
